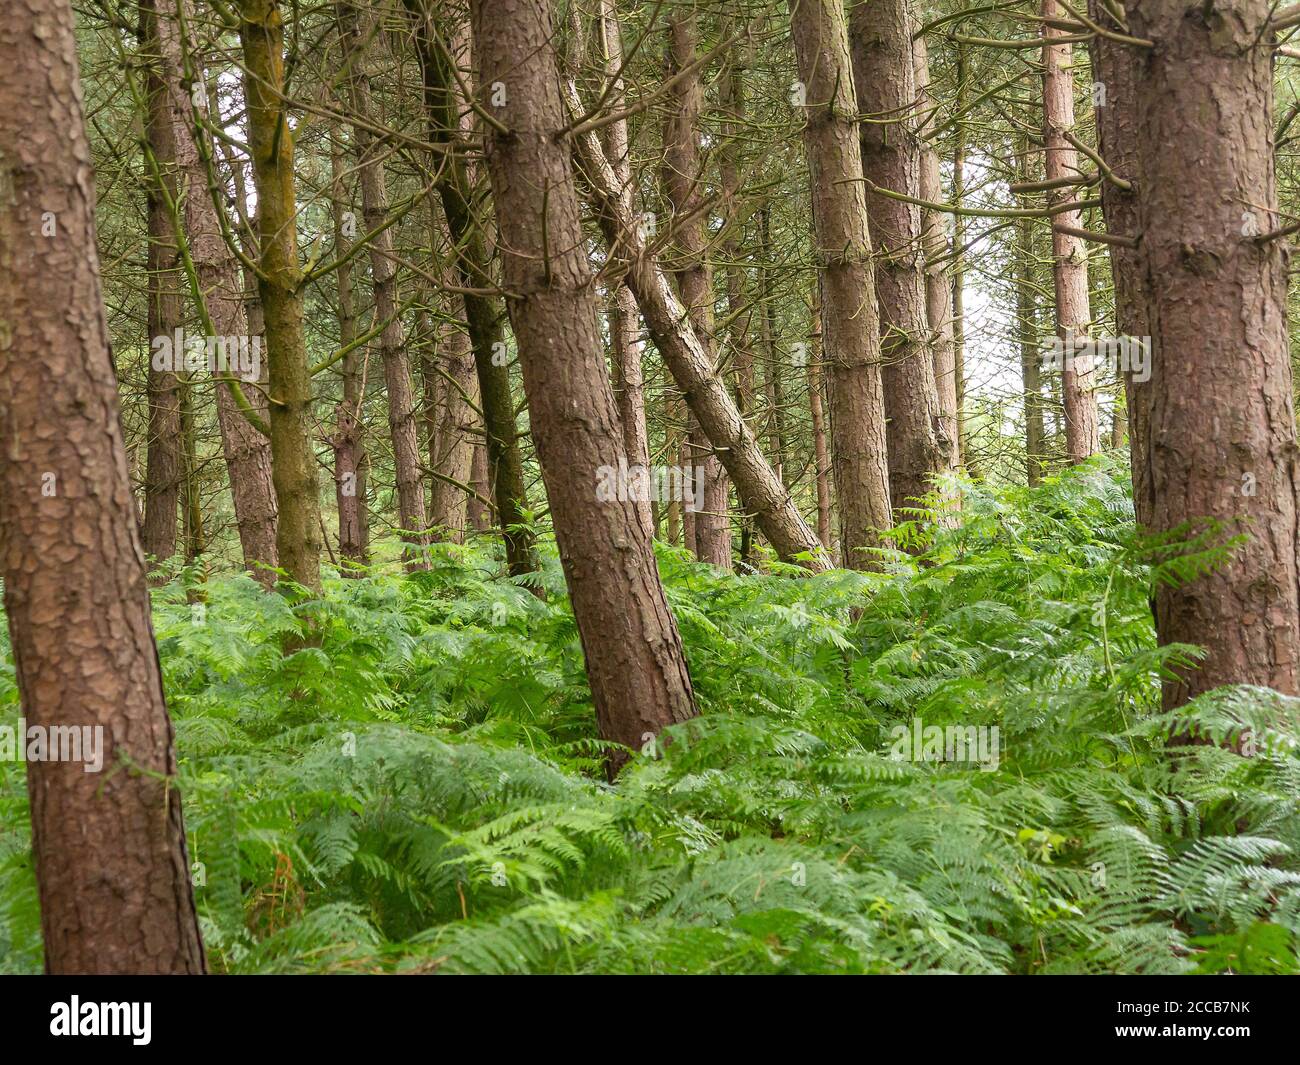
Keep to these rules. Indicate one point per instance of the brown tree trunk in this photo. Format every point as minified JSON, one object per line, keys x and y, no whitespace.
{"x":163,"y":472}
{"x":757,"y":484}
{"x":109,"y":846}
{"x":293,"y":467}
{"x":1070,"y":254}
{"x":483,"y":313}
{"x":821,"y":455}
{"x":885,"y":78}
{"x":635,"y":662}
{"x":1031,"y":354}
{"x":851,"y":338}
{"x":683,"y":178}
{"x":351,"y":461}
{"x":403,"y":418}
{"x":1117,"y":69}
{"x":220,"y":298}
{"x":1221,"y":431}
{"x":938,"y":285}
{"x":624,"y":319}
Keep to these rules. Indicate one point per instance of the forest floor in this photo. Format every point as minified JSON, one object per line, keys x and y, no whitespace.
{"x":425,"y":789}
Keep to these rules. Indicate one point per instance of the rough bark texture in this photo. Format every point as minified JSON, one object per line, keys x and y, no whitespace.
{"x":1116,"y":68}
{"x":683,"y":178}
{"x":635,"y":662}
{"x":1222,"y":438}
{"x":1069,"y":253}
{"x":247,"y":451}
{"x":111,"y":863}
{"x":884,"y":76}
{"x":850,"y":324}
{"x":403,"y":418}
{"x":484,"y":314}
{"x":293,"y":467}
{"x":757,"y":484}
{"x":938,"y":284}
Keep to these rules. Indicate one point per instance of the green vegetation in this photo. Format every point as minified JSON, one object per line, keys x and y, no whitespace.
{"x":425,"y":790}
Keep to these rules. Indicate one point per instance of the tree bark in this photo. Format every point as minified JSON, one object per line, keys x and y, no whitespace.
{"x":1070,"y":253}
{"x":293,"y":466}
{"x":403,"y":418}
{"x":885,"y":78}
{"x":111,"y":863}
{"x":1221,"y":432}
{"x":851,"y":339}
{"x":635,"y":662}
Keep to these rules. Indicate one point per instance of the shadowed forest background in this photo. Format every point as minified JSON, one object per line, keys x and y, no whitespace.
{"x":593,"y":486}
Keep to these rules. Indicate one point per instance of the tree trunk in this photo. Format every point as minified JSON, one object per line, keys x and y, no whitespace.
{"x":221,"y":298}
{"x":1069,"y":253}
{"x":757,"y":484}
{"x":163,"y":462}
{"x":403,"y":419}
{"x":635,"y":662}
{"x":293,"y":466}
{"x":1117,"y":69}
{"x":483,"y":313}
{"x":1027,"y":326}
{"x":885,"y":78}
{"x":1221,"y":432}
{"x":683,"y":178}
{"x":851,"y":338}
{"x":109,"y":847}
{"x":938,"y":285}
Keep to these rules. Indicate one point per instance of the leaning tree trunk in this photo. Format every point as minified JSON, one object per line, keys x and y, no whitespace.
{"x":293,"y":467}
{"x":851,"y":339}
{"x":1069,"y":253}
{"x":221,"y":298}
{"x":109,"y":847}
{"x":884,"y":75}
{"x":635,"y":662}
{"x":757,"y":484}
{"x":1221,"y":436}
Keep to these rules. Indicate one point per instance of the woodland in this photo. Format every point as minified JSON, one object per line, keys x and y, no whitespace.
{"x":649,"y":487}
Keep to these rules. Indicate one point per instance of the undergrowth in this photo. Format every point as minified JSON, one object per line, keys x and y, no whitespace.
{"x":424,"y":791}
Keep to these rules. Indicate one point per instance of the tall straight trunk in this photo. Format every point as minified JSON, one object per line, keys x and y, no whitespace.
{"x":772,"y":390}
{"x":293,"y":466}
{"x":452,"y":445}
{"x":885,"y":78}
{"x":757,"y":484}
{"x":1070,"y":253}
{"x":351,"y":461}
{"x":196,"y":539}
{"x":111,"y":865}
{"x":683,"y":179}
{"x":938,"y":286}
{"x":635,"y":662}
{"x":403,"y":418}
{"x":1027,"y":328}
{"x":821,"y":454}
{"x":163,"y":469}
{"x":957,"y":270}
{"x":484,"y":313}
{"x":624,"y":319}
{"x":221,"y":299}
{"x":1221,"y":432}
{"x":851,"y":337}
{"x":1117,"y":67}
